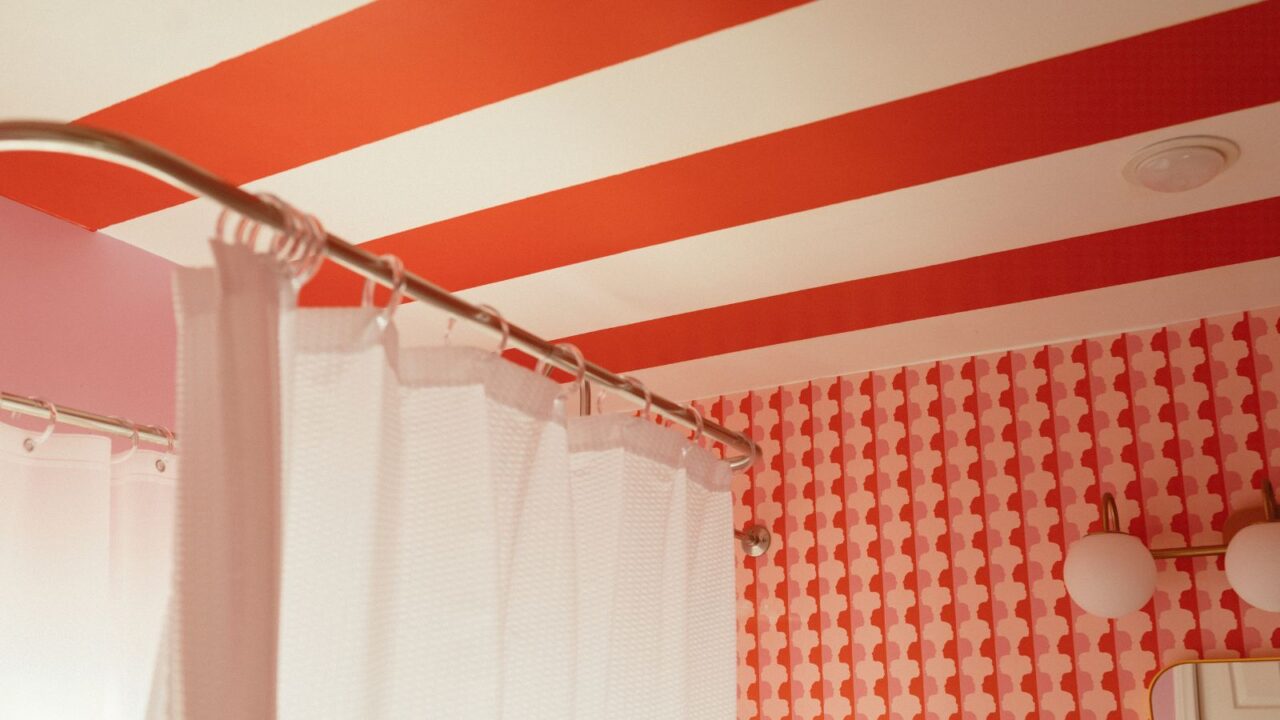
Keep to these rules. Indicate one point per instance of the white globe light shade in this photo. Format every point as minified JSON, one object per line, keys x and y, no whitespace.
{"x":1109,"y":574}
{"x":1253,"y":565}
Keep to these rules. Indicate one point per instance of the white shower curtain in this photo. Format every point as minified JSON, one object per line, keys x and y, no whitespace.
{"x":371,"y":531}
{"x":85,"y":564}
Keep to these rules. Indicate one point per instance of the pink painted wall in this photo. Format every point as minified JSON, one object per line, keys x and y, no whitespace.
{"x":85,"y":320}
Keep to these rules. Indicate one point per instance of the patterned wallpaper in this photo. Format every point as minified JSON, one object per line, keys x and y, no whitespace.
{"x":920,"y":517}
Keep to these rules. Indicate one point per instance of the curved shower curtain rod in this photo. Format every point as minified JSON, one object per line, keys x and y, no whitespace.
{"x":36,"y":136}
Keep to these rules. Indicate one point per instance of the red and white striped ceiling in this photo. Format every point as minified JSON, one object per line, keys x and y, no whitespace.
{"x":724,"y":193}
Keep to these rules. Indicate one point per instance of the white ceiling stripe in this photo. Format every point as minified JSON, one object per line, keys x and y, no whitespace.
{"x":795,"y":67}
{"x":1048,"y":198}
{"x":1115,"y":309}
{"x":63,"y":59}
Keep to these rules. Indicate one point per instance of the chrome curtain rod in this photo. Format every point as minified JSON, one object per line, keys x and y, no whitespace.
{"x":35,"y":136}
{"x":85,"y":419}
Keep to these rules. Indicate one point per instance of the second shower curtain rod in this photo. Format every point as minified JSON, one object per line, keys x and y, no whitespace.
{"x":150,"y":160}
{"x":111,"y":425}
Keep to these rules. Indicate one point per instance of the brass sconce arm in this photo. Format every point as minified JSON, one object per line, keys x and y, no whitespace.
{"x":1111,"y":523}
{"x":1189,"y":551}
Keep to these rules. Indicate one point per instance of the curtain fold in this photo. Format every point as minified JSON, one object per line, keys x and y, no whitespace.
{"x":375,"y":531}
{"x":85,"y":573}
{"x":656,"y":594}
{"x":227,"y":555}
{"x":142,"y":516}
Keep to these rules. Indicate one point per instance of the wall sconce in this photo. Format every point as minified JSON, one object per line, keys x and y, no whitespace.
{"x":1111,"y":573}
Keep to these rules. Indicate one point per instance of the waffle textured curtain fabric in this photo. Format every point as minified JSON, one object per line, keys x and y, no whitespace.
{"x":85,"y":563}
{"x":373,"y":531}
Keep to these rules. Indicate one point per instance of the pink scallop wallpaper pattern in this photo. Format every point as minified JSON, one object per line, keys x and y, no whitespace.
{"x":921,"y":514}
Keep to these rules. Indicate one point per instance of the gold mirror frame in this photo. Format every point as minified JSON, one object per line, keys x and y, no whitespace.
{"x":1151,"y":705}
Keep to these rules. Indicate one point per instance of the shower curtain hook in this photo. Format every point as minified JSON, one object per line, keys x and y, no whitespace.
{"x":648,"y":397}
{"x":30,"y":444}
{"x":544,"y":367}
{"x":300,"y":245}
{"x":699,"y":425}
{"x":580,"y":379}
{"x":492,"y":312}
{"x":284,"y":240}
{"x":247,"y":233}
{"x":316,"y":251}
{"x":219,"y":226}
{"x":398,"y":281}
{"x":136,"y":439}
{"x":170,"y":446}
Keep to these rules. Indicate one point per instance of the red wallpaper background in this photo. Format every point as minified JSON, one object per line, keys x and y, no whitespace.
{"x":920,"y":517}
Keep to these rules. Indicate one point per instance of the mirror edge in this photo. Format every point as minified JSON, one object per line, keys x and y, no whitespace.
{"x":1151,"y":707}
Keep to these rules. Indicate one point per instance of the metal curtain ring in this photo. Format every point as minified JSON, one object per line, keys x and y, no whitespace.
{"x":136,"y":438}
{"x":398,"y":281}
{"x":699,"y":425}
{"x":492,"y":312}
{"x":648,"y":396}
{"x":30,"y":444}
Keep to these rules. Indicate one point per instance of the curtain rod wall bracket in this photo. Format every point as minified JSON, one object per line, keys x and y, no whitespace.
{"x":755,"y":540}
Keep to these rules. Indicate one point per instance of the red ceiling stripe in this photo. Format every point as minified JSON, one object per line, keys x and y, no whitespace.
{"x":1198,"y":69}
{"x":1236,"y":234}
{"x":382,"y":69}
